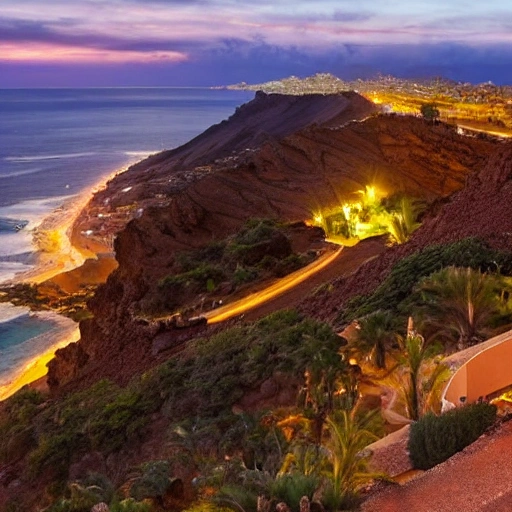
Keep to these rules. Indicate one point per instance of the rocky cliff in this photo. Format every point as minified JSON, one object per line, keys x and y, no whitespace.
{"x":278,"y":157}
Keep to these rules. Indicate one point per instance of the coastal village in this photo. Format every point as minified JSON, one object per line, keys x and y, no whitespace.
{"x":306,"y":308}
{"x":457,"y":102}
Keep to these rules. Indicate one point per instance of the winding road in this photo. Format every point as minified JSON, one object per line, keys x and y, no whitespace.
{"x":292,"y":289}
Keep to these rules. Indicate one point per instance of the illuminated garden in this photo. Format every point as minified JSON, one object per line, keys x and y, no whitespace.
{"x":373,"y":214}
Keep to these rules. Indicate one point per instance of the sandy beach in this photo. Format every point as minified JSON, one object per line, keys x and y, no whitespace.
{"x":58,"y":252}
{"x":35,"y":369}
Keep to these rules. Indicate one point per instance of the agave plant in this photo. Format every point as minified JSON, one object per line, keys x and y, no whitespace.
{"x":349,"y":434}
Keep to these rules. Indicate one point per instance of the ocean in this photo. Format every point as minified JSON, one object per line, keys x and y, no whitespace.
{"x":56,"y":143}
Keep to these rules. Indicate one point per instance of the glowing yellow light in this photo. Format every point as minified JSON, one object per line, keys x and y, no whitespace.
{"x":319,"y":219}
{"x":370,"y":193}
{"x":352,"y":361}
{"x":346,"y":211}
{"x":284,"y":284}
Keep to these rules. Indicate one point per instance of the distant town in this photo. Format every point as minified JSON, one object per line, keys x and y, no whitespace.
{"x":471,"y":104}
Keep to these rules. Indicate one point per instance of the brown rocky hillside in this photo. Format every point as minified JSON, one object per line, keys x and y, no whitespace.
{"x":483,"y":208}
{"x":287,"y":175}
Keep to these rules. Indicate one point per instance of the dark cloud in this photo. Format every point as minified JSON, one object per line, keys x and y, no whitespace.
{"x":22,"y":30}
{"x":14,"y":30}
{"x":234,"y":60}
{"x":19,"y":31}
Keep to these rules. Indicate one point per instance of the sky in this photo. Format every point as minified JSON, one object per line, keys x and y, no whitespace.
{"x":72,"y":43}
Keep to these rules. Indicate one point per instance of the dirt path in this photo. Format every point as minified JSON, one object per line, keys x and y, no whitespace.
{"x":474,"y":480}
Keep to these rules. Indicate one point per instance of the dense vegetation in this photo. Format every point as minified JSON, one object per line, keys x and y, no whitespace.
{"x":433,"y":439}
{"x":261,"y":249}
{"x":194,"y":395}
{"x":395,"y":293}
{"x":372,"y":215}
{"x":313,"y":444}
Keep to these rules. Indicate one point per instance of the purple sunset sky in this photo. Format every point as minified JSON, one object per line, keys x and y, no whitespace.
{"x":215,"y":42}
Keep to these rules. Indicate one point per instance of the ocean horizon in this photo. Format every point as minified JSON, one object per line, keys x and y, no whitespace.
{"x":56,"y":144}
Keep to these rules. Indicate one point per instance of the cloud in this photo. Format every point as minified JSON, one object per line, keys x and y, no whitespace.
{"x":220,"y":41}
{"x":348,"y":16}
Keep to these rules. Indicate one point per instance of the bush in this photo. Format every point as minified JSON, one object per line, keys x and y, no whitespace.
{"x":198,"y":276}
{"x":102,"y":417}
{"x":290,"y":264}
{"x":130,"y":505}
{"x":124,"y":417}
{"x":434,"y":439}
{"x":154,"y":481}
{"x":292,"y":487}
{"x":16,"y":432}
{"x":403,"y":277}
{"x":255,"y":232}
{"x":244,"y":275}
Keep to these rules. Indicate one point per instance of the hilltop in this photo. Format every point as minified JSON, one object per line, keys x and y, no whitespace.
{"x":486,"y":106}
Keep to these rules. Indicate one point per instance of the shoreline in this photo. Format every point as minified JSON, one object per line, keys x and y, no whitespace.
{"x":58,"y":251}
{"x":56,"y":248}
{"x":34,"y":371}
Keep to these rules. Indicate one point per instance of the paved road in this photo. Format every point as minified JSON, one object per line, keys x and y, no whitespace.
{"x":481,"y":130}
{"x":292,"y":289}
{"x":477,"y":479}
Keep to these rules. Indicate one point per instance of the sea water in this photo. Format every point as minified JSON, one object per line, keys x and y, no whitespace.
{"x":55,"y":143}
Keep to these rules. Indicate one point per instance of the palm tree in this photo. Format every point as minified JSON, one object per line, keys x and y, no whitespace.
{"x":419,"y":380}
{"x":349,"y":434}
{"x":403,"y":222}
{"x":460,"y":302}
{"x":325,"y":377}
{"x":375,"y":335}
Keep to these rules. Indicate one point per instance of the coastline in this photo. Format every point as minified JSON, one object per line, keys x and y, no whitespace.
{"x":58,"y":251}
{"x":34,"y":371}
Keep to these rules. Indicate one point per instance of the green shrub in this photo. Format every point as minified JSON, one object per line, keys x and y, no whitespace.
{"x":433,"y":439}
{"x":255,"y":232}
{"x":17,"y":435}
{"x":123,"y":418}
{"x":54,"y":452}
{"x":292,"y":487}
{"x":290,"y":264}
{"x":130,"y":505}
{"x":198,"y":276}
{"x":403,"y":277}
{"x":237,"y":498}
{"x":153,"y":482}
{"x":244,"y":275}
{"x":211,"y":253}
{"x":102,"y":417}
